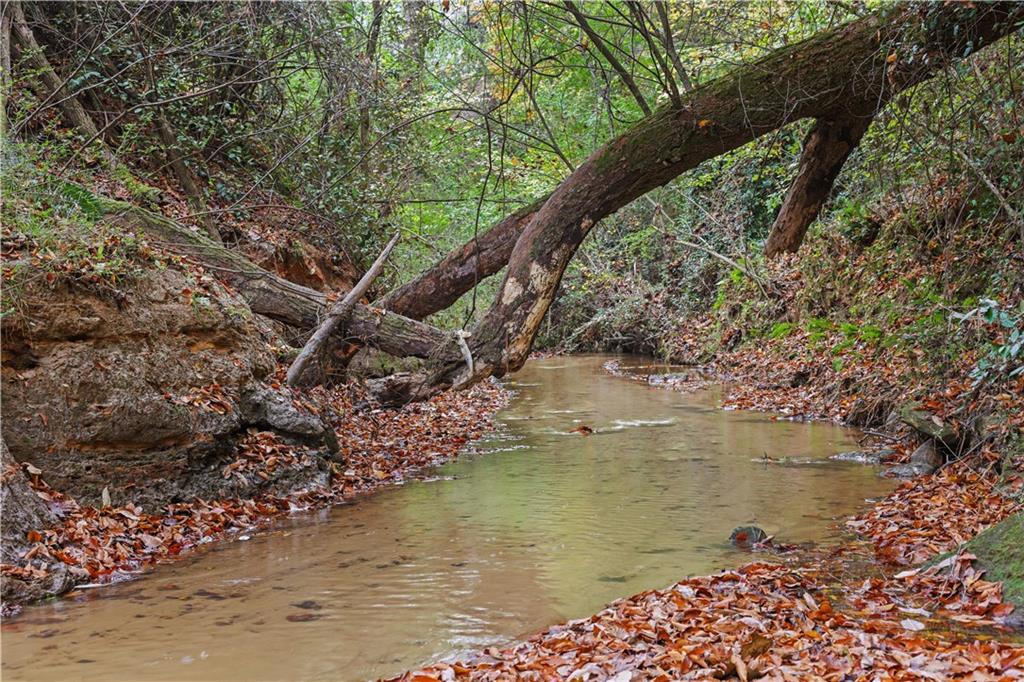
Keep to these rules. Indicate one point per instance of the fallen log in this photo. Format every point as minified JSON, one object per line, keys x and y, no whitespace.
{"x":279,"y":299}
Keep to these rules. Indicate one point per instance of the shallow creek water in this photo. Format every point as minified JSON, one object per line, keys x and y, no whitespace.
{"x":536,"y":526}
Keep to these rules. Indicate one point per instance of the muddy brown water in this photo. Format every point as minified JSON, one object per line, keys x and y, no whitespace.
{"x":537,"y":526}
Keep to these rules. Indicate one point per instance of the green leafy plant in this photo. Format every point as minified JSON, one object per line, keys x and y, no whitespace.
{"x":1005,"y":358}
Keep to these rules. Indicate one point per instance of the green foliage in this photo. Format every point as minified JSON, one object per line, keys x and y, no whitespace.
{"x":1004,"y":358}
{"x":781,"y":329}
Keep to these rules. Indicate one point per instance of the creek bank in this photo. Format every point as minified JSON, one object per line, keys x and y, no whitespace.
{"x":145,"y":413}
{"x":379,"y":447}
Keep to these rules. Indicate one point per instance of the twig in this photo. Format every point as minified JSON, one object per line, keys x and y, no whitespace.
{"x":337,"y":315}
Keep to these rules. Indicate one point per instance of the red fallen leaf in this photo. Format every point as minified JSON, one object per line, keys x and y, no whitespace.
{"x":1003,"y":610}
{"x":34,"y":536}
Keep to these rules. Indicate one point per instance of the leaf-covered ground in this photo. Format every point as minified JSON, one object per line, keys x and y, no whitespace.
{"x":839,"y":615}
{"x":379,"y":447}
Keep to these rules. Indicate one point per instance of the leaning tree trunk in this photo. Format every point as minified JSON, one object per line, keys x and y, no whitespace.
{"x":847,"y":71}
{"x":826,"y":148}
{"x":48,"y":84}
{"x":443,"y":284}
{"x":187,"y":180}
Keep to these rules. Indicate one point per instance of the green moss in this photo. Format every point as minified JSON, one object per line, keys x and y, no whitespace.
{"x":1000,"y":551}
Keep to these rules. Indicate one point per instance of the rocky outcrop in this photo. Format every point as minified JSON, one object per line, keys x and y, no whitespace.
{"x":21,"y":510}
{"x":144,"y":393}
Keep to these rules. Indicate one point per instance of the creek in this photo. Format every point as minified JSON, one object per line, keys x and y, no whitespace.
{"x":536,"y":524}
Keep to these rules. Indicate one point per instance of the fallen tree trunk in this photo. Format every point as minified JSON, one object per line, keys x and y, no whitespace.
{"x":279,"y":299}
{"x":826,"y":148}
{"x":847,"y":71}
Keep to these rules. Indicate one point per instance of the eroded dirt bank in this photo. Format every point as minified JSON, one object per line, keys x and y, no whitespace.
{"x":144,"y":413}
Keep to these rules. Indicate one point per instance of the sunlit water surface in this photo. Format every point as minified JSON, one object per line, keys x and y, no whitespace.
{"x":541,"y":525}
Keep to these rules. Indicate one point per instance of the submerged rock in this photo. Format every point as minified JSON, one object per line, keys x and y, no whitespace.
{"x":858,"y":456}
{"x":747,"y":536}
{"x":926,"y":459}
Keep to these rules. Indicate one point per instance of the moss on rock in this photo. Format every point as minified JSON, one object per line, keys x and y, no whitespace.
{"x":1000,"y":551}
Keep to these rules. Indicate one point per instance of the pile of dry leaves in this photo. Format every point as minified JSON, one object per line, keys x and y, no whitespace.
{"x":934,"y":514}
{"x":762,"y":621}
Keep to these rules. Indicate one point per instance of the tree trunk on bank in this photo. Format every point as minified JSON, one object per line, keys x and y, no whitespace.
{"x":21,"y":509}
{"x":193,"y":195}
{"x":826,"y":148}
{"x":5,"y":67}
{"x":337,"y":316}
{"x":281,"y":300}
{"x":847,"y":71}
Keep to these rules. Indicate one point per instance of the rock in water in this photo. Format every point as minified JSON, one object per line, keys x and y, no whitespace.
{"x":747,"y":536}
{"x":925,"y":460}
{"x":927,"y":456}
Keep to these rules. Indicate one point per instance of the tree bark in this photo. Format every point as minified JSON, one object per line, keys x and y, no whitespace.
{"x":850,"y":70}
{"x":21,"y":510}
{"x":371,"y":66}
{"x":5,"y":67}
{"x":52,"y":87}
{"x":826,"y":148}
{"x":193,"y":195}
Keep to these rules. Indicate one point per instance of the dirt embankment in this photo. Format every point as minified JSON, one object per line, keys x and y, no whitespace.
{"x":142,"y":395}
{"x":143,"y":414}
